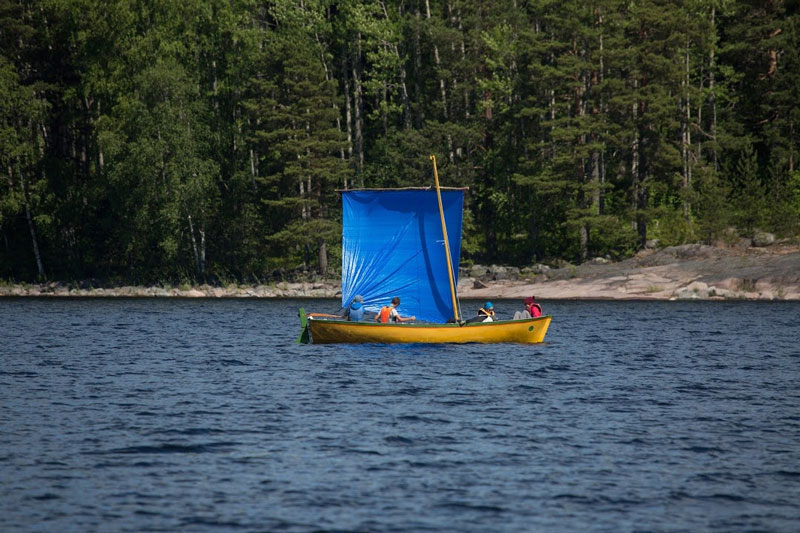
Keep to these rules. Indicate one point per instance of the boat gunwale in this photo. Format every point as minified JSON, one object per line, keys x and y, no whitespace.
{"x":427,"y":325}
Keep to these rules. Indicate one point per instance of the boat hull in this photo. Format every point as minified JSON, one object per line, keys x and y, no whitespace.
{"x":526,"y":331}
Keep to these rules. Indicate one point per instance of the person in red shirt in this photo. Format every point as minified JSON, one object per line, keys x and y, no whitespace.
{"x":532,"y":309}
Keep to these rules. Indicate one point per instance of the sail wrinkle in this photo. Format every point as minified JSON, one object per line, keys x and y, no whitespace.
{"x":392,"y":245}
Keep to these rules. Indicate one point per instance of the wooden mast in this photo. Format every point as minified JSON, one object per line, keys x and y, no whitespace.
{"x":446,"y":242}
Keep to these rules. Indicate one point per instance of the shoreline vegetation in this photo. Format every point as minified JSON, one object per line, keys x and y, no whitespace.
{"x":687,"y":272}
{"x":172,"y":141}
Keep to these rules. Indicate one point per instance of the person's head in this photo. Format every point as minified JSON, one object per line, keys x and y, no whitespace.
{"x":529,"y":300}
{"x":395,"y":301}
{"x":488,"y":306}
{"x":357,"y":302}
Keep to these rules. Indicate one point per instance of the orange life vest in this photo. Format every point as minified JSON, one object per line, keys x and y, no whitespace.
{"x":384,"y":314}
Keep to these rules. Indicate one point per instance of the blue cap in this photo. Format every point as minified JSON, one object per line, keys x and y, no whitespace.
{"x":488,"y":305}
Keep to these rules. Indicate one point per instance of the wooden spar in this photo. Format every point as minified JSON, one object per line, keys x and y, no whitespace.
{"x":446,"y":243}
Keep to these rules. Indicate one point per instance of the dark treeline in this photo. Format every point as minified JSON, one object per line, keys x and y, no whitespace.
{"x":152,"y":140}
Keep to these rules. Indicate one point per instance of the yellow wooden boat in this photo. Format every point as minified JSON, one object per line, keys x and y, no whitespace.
{"x":526,"y":331}
{"x":403,"y":242}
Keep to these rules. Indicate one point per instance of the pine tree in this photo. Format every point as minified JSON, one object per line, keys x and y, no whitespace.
{"x":302,"y":143}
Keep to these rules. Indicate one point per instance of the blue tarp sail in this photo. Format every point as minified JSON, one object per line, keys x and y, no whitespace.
{"x":392,"y":245}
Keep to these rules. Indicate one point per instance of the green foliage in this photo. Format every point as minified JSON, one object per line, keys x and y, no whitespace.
{"x":748,"y":194}
{"x":794,"y":190}
{"x":203,"y":140}
{"x":611,"y":236}
{"x":671,"y":228}
{"x":712,"y":213}
{"x":783,"y":193}
{"x":299,"y":243}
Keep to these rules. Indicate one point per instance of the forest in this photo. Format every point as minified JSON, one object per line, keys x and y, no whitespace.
{"x":147,"y":141}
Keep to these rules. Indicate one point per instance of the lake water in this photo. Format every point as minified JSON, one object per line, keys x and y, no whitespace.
{"x":204,"y":415}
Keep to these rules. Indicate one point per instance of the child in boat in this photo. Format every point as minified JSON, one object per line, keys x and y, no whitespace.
{"x":355,"y":311}
{"x":532,"y":309}
{"x":388,"y":313}
{"x":485,"y":314}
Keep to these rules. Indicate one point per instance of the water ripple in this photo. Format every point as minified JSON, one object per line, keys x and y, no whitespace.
{"x":168,"y":415}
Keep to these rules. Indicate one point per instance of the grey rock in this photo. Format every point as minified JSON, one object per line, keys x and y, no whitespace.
{"x":497,"y":272}
{"x":478,"y":271}
{"x":540,"y":269}
{"x":763,"y":238}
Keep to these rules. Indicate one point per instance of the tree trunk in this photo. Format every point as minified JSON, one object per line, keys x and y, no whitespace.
{"x":348,"y":112}
{"x":85,"y":133}
{"x":323,"y":256}
{"x":406,"y":100}
{"x":437,"y":62}
{"x":635,"y":153}
{"x":334,"y":105}
{"x":202,"y":232}
{"x":253,"y":165}
{"x":308,"y":193}
{"x":686,"y":139}
{"x":31,"y":226}
{"x":711,"y":95}
{"x":584,"y":241}
{"x":595,"y":182}
{"x":698,"y":120}
{"x":641,"y":199}
{"x":641,"y":220}
{"x":302,"y":191}
{"x":442,"y":88}
{"x":194,"y":246}
{"x":404,"y":91}
{"x":463,"y":50}
{"x":254,"y":171}
{"x":791,"y":145}
{"x":597,"y":79}
{"x":385,"y":108}
{"x":419,"y":117}
{"x":358,"y":106}
{"x":403,"y":88}
{"x":581,"y":103}
{"x":101,"y":163}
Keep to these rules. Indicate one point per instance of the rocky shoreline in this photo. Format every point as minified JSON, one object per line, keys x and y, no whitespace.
{"x":688,"y":272}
